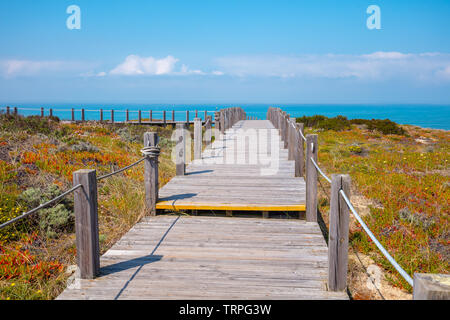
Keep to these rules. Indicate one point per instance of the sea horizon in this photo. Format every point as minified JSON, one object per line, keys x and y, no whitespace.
{"x":433,"y":116}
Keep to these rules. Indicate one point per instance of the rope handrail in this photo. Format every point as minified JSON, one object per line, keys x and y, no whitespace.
{"x":320,"y":171}
{"x":405,"y":275}
{"x":301,"y":134}
{"x":26,"y":214}
{"x":120,"y":170}
{"x":150,"y":151}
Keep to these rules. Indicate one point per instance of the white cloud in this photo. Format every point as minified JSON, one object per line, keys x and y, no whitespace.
{"x":136,"y":65}
{"x":375,"y":66}
{"x":16,"y":67}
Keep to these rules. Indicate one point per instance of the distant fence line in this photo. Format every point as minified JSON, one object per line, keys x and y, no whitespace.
{"x":146,"y":115}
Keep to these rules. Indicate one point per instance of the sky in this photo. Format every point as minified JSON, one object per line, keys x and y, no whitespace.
{"x":216,"y":51}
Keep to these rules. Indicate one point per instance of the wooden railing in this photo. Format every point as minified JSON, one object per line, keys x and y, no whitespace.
{"x":425,"y":286}
{"x":164,"y":116}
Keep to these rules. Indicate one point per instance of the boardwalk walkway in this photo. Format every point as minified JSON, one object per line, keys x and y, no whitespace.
{"x":231,"y":176}
{"x":199,"y":257}
{"x":170,"y":257}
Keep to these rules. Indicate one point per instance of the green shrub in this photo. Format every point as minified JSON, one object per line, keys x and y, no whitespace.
{"x":341,"y":123}
{"x":338,"y":123}
{"x":84,"y":146}
{"x":52,"y":220}
{"x":55,"y":220}
{"x":30,"y":124}
{"x":385,"y":126}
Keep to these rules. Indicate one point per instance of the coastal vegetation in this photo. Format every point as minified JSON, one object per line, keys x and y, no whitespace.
{"x":37,"y":159}
{"x":400,"y":180}
{"x":401,"y":186}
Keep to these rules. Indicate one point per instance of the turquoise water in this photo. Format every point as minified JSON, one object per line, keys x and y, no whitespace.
{"x":428,"y":116}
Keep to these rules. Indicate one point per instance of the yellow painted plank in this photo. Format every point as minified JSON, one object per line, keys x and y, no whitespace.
{"x":170,"y":205}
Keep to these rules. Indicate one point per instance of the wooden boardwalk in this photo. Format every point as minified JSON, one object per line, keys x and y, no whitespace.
{"x":180,"y":257}
{"x":200,"y":257}
{"x":256,"y":176}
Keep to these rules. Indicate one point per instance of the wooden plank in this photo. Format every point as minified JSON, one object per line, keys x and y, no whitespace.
{"x":215,"y":263}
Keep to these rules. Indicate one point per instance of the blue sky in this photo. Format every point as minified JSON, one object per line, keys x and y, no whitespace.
{"x":225,"y":51}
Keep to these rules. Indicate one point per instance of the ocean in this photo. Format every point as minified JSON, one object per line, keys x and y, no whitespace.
{"x":427,"y":116}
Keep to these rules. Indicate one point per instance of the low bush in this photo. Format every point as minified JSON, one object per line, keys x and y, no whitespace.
{"x":341,"y":123}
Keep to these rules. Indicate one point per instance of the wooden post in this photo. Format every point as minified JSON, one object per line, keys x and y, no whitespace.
{"x":86,"y":223}
{"x":311,"y":178}
{"x":299,"y":151}
{"x":82,"y":115}
{"x":15,"y":111}
{"x":291,"y":139}
{"x":180,"y":150}
{"x":139,"y":116}
{"x":42,"y":112}
{"x":206,"y":115}
{"x":222,"y":122}
{"x":51,"y":111}
{"x":173,"y":115}
{"x":151,"y":116}
{"x":187,"y":118}
{"x":208,"y":133}
{"x":164,"y":117}
{"x":7,"y":109}
{"x":338,"y":235}
{"x":112,"y":116}
{"x":197,"y":138}
{"x":151,"y":174}
{"x":196,"y":113}
{"x":431,"y":286}
{"x":101,"y":115}
{"x":127,"y":116}
{"x":73,"y":115}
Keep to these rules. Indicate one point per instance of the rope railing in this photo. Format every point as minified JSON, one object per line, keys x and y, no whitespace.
{"x":374,"y":239}
{"x":320,"y":171}
{"x":340,"y":184}
{"x":26,"y":214}
{"x":121,"y":170}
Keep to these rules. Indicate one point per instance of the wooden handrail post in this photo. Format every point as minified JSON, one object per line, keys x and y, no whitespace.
{"x":164,"y":118}
{"x":180,"y":149}
{"x":299,"y":151}
{"x":112,"y":116}
{"x":206,"y":115}
{"x":151,"y":174}
{"x":7,"y":110}
{"x":82,"y":115}
{"x":151,"y":116}
{"x":222,"y":122}
{"x":127,"y":115}
{"x":216,"y":125}
{"x":86,"y":223}
{"x":431,"y":286}
{"x":338,"y":235}
{"x":73,"y":114}
{"x":311,"y":178}
{"x":208,"y":133}
{"x":197,"y":138}
{"x":51,"y":111}
{"x":140,"y":116}
{"x":173,"y":115}
{"x":42,"y":112}
{"x":101,"y":115}
{"x":187,"y":118}
{"x":292,"y":141}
